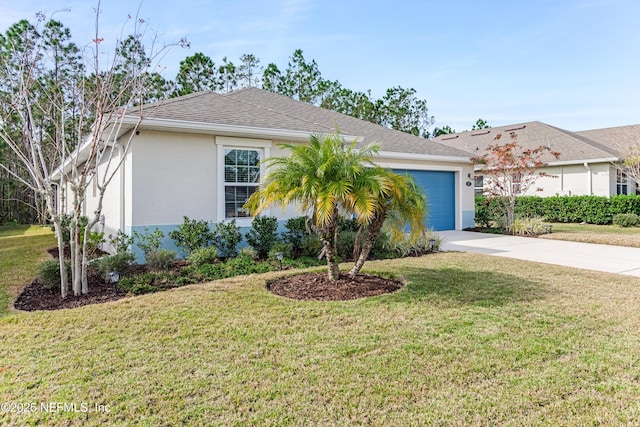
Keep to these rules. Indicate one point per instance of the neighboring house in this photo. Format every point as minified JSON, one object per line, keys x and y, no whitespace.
{"x":587,"y":161}
{"x":199,"y":155}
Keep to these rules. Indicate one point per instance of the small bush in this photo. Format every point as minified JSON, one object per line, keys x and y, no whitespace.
{"x":311,"y":246}
{"x":120,"y":262}
{"x":248,"y":251}
{"x":121,"y":242}
{"x":149,"y":242}
{"x":139,"y":285}
{"x":345,"y":243}
{"x":49,"y":273}
{"x":192,"y":235}
{"x":296,"y":233}
{"x":160,"y":260}
{"x":626,"y":219}
{"x":227,"y":237}
{"x":530,"y":227}
{"x":285,"y":248}
{"x":202,"y":256}
{"x":263,"y":234}
{"x":94,"y":240}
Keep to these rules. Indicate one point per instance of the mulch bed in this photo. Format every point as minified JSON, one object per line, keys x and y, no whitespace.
{"x":318,"y":287}
{"x":309,"y":286}
{"x":36,"y":297}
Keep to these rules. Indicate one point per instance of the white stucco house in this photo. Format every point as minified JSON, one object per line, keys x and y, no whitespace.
{"x":199,"y":155}
{"x":587,"y":161}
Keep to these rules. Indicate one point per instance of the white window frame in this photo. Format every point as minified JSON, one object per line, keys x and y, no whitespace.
{"x":622,"y":182}
{"x":478,"y":190}
{"x":228,"y":143}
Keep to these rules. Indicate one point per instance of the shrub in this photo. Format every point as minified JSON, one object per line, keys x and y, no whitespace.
{"x":160,"y":260}
{"x":121,"y":241}
{"x":311,"y":246}
{"x":148,"y":242}
{"x":296,"y":233}
{"x":345,"y":243}
{"x":237,"y":266}
{"x":139,"y":284}
{"x":226,"y":238}
{"x":285,"y":248}
{"x":49,"y":273}
{"x":626,"y":219}
{"x":94,"y":240}
{"x":202,"y":256}
{"x":248,"y":251}
{"x":192,"y":235}
{"x":347,"y":224}
{"x":263,"y":234}
{"x":120,"y":262}
{"x":530,"y":226}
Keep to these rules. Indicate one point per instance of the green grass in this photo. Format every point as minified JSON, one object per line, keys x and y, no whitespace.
{"x":471,"y":340}
{"x":591,"y":233}
{"x":22,"y":247}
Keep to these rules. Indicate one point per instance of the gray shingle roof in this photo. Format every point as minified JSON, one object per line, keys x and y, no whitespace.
{"x":571,"y":146}
{"x":620,"y":139}
{"x":252,"y":107}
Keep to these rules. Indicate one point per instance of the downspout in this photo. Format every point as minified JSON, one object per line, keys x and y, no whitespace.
{"x":589,"y":178}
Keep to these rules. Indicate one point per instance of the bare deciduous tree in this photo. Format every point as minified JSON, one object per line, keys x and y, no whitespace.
{"x":70,"y":125}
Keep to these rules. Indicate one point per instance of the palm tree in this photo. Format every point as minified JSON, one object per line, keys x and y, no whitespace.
{"x":399,"y":203}
{"x":324,"y":177}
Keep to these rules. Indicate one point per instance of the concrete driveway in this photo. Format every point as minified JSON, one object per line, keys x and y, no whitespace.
{"x":588,"y":256}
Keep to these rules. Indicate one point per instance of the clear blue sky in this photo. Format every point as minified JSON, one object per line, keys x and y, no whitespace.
{"x":574,"y":64}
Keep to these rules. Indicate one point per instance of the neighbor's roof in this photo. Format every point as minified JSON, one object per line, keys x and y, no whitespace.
{"x":573,"y":147}
{"x":257,"y":108}
{"x":620,"y":139}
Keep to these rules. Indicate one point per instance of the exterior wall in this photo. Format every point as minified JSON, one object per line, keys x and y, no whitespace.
{"x":597,"y":179}
{"x":169,"y":175}
{"x":111,"y":206}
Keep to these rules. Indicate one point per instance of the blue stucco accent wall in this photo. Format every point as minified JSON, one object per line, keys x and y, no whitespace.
{"x":169,"y":243}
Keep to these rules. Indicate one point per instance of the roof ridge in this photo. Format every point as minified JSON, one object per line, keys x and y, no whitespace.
{"x":583,"y":139}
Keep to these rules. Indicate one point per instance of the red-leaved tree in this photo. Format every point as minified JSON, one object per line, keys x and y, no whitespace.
{"x":510,"y":171}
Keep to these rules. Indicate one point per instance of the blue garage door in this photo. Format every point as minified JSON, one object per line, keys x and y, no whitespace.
{"x":441,"y":197}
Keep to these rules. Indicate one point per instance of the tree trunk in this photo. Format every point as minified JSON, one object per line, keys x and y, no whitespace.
{"x":64,"y":278}
{"x":334,"y":268}
{"x":373,"y":230}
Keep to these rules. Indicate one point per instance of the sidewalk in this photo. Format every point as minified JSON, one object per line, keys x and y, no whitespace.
{"x":587,"y":256}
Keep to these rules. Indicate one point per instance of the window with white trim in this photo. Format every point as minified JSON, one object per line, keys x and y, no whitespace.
{"x":479,"y":185}
{"x":241,"y":179}
{"x":516,"y":183}
{"x":621,"y":182}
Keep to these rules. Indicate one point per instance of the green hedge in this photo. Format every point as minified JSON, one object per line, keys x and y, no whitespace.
{"x":589,"y":209}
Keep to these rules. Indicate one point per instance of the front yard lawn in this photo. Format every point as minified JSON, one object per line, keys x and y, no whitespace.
{"x":469,"y":340}
{"x":591,"y":233}
{"x":22,"y":248}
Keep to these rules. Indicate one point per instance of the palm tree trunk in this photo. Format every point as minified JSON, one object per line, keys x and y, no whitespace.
{"x":334,"y":268}
{"x":373,"y":230}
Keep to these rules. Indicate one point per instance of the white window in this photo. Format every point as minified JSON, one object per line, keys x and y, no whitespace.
{"x":516,"y":183}
{"x":621,"y":182}
{"x":241,"y":179}
{"x":479,"y":185}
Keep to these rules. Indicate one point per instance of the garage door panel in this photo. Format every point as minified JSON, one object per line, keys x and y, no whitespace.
{"x":439,"y":187}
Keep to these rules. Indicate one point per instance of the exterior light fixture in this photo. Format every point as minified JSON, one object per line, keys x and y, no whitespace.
{"x":279,"y":257}
{"x":114,"y":276}
{"x":432,"y":245}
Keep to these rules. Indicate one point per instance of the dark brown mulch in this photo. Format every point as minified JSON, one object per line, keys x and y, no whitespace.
{"x":36,"y":297}
{"x":318,"y":287}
